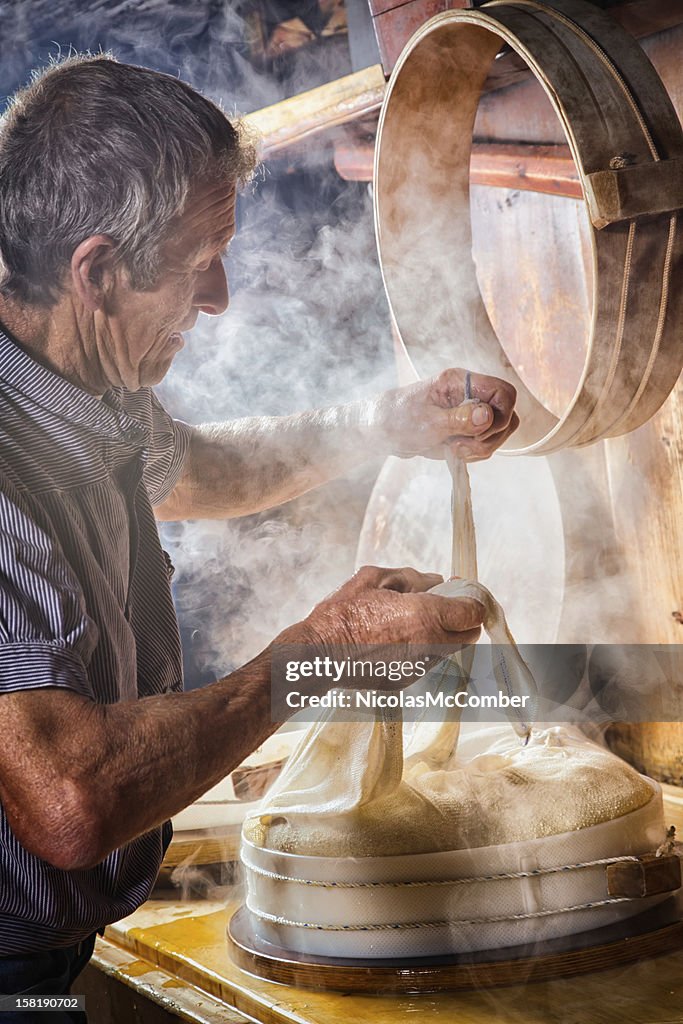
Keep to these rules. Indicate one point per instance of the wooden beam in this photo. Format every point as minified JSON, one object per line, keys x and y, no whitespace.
{"x":292,"y":120}
{"x":529,"y":168}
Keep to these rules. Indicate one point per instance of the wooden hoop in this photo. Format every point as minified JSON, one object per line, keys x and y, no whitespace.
{"x":627,"y":144}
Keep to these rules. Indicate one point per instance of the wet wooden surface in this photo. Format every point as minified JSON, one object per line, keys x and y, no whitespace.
{"x":194,"y":948}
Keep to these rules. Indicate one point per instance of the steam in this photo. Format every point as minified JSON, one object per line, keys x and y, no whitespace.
{"x":307,"y":323}
{"x":308,"y":326}
{"x":209,"y":882}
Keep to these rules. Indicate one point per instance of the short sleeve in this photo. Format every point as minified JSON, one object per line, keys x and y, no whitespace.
{"x":46,"y":636}
{"x":168,"y":447}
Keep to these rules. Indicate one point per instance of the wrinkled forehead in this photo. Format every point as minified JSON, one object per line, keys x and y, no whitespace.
{"x":208,"y":220}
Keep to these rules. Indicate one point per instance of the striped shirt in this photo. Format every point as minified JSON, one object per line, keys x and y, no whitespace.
{"x":85,"y":605}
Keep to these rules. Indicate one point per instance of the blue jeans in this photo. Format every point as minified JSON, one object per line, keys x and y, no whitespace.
{"x":51,"y":974}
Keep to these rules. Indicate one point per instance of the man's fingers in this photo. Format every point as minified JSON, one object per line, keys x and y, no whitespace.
{"x":473,"y":449}
{"x":409,"y":581}
{"x":422,"y":417}
{"x":374,"y":577}
{"x":498,"y":430}
{"x":481,"y":420}
{"x":470,"y":418}
{"x":455,"y":614}
{"x":499,"y":394}
{"x":447,"y":391}
{"x":388,"y":614}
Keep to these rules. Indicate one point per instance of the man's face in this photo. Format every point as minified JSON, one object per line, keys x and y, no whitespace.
{"x":137,"y":333}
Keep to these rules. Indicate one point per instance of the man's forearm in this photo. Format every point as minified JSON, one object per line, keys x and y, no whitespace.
{"x":190,"y":741}
{"x":248,"y":465}
{"x":237,"y":468}
{"x":143,"y":761}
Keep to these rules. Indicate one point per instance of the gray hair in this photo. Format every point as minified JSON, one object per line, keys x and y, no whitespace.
{"x":93,"y":146}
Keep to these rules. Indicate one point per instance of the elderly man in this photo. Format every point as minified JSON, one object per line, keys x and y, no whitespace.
{"x":117,"y":201}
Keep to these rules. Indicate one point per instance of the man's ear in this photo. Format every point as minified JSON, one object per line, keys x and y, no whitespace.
{"x":92,"y":267}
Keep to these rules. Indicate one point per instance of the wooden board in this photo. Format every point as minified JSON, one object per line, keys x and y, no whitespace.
{"x":603,"y":949}
{"x":287,"y":123}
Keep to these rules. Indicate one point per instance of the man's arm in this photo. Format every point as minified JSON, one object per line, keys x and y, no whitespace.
{"x":237,"y":468}
{"x":79,"y":779}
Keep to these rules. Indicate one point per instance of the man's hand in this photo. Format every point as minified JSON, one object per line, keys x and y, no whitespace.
{"x":389,"y":606}
{"x":237,"y":468}
{"x":423,"y":418}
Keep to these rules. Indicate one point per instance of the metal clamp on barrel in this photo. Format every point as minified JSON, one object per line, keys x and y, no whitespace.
{"x":627,"y":144}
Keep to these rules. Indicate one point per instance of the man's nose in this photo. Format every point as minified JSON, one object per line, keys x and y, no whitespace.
{"x":211,"y":294}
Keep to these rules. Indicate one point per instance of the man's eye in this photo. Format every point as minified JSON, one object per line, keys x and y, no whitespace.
{"x":207,"y":264}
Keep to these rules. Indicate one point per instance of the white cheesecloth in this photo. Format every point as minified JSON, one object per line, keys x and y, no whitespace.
{"x":358,"y":851}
